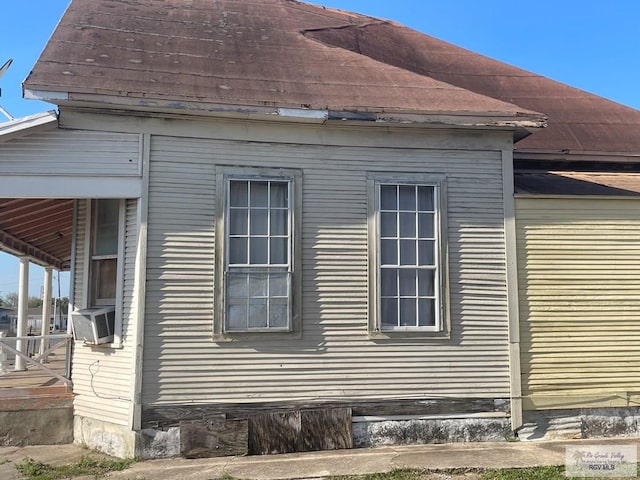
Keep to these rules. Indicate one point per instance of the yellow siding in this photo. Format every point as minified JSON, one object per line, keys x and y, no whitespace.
{"x":579,"y":288}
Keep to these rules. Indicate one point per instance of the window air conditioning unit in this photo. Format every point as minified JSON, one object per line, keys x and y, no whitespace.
{"x":94,"y":325}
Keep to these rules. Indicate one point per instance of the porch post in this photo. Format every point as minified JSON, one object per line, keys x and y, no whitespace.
{"x":46,"y":310}
{"x":23,"y":305}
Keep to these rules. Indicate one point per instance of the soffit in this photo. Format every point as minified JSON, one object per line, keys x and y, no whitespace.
{"x":577,"y":183}
{"x":38,"y":228}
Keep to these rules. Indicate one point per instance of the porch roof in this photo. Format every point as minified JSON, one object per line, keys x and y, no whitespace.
{"x":39,"y":228}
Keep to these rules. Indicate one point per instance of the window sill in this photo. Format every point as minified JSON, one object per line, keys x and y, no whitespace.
{"x":408,"y":335}
{"x":101,"y":346}
{"x":255,"y":336}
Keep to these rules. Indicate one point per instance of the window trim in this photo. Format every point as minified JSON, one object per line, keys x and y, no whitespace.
{"x":294,"y":177}
{"x":87,"y":294}
{"x":443,"y":327}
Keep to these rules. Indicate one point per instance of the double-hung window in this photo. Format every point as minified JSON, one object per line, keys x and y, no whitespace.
{"x":258,"y":254}
{"x":105,"y":241}
{"x":408,"y":295}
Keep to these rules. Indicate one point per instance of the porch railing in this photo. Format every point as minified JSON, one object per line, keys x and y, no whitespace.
{"x":35,"y":350}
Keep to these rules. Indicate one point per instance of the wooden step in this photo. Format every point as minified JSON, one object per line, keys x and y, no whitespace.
{"x":35,"y":398}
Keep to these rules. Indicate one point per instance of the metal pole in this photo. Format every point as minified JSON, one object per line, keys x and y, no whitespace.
{"x":46,"y":311}
{"x":23,"y":305}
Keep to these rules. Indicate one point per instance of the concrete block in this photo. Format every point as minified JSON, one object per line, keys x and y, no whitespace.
{"x":158,"y":443}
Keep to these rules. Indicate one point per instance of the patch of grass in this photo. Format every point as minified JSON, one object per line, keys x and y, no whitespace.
{"x":397,"y":474}
{"x":86,"y":466}
{"x":550,"y":472}
{"x":4,"y":461}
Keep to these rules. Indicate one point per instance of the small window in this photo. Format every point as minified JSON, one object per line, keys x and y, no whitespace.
{"x":408,"y":294}
{"x":257,"y":291}
{"x":105,"y":240}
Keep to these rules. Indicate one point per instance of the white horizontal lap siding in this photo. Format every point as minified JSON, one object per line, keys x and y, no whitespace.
{"x":579,"y":280}
{"x":72,"y":152}
{"x":79,"y":282}
{"x":335,"y":358}
{"x":103,"y":377}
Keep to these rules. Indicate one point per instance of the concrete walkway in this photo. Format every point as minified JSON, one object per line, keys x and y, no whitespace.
{"x":321,"y":464}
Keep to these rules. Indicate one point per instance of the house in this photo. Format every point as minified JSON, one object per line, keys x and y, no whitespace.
{"x":6,"y":318}
{"x":301,"y":216}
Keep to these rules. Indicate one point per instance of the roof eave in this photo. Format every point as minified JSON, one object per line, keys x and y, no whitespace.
{"x":19,"y":127}
{"x":521,"y":123}
{"x":568,"y":155}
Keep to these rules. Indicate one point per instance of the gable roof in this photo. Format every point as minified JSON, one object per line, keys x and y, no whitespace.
{"x":206,"y":54}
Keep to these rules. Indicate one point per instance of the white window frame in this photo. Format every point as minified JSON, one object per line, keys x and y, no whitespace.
{"x":441,"y":328}
{"x":224,"y":176}
{"x":88,"y":300}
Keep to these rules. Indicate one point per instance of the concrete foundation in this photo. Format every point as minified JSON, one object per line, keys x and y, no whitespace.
{"x":581,"y":423}
{"x":53,"y":426}
{"x":158,"y":444}
{"x":431,"y":431}
{"x":115,"y":440}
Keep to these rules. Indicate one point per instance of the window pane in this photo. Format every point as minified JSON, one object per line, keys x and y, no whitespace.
{"x":389,"y":313}
{"x":425,"y":283}
{"x":258,"y":313}
{"x":407,"y":197}
{"x":279,"y":222}
{"x":236,"y":315}
{"x":407,"y":252}
{"x":389,"y":252}
{"x":278,"y":284}
{"x":279,"y":194}
{"x":259,"y":194}
{"x":388,"y":224}
{"x":257,"y":285}
{"x":238,"y":193}
{"x":427,"y":313}
{"x":408,"y":225}
{"x":237,"y":285}
{"x":388,"y":197}
{"x":237,"y":251}
{"x":259,"y":222}
{"x":278,"y":313}
{"x":389,"y":282}
{"x":106,"y":275}
{"x":425,"y":199}
{"x":238,"y":221}
{"x":258,"y":254}
{"x":408,"y":312}
{"x":426,"y":225}
{"x":106,"y":227}
{"x":407,"y":282}
{"x":279,"y":254}
{"x":426,"y":252}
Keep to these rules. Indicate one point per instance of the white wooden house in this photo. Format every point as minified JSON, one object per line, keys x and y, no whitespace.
{"x":291,"y":233}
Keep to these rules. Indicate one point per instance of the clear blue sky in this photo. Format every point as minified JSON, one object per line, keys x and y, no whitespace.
{"x":589,"y":44}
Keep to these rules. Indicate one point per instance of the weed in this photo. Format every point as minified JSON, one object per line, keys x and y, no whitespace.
{"x":33,"y":470}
